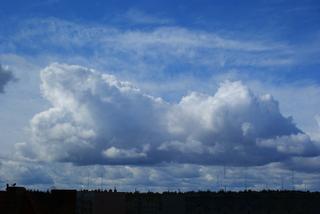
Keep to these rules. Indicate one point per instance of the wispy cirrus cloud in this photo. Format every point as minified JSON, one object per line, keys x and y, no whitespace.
{"x":156,"y":45}
{"x":138,"y":17}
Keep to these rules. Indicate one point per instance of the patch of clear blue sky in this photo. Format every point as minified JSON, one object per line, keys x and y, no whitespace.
{"x":291,"y":22}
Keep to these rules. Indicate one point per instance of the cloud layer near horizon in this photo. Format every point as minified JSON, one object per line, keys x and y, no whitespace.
{"x":97,"y":119}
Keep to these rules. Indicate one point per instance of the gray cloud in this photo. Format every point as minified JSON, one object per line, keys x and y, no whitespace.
{"x":5,"y":77}
{"x":97,"y":119}
{"x":24,"y":173}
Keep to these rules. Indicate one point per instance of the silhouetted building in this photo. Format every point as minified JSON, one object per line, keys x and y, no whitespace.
{"x":94,"y":202}
{"x":18,"y":200}
{"x":15,"y":201}
{"x":63,"y":201}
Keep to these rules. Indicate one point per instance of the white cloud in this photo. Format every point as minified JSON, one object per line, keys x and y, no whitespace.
{"x":95,"y":118}
{"x":91,"y":113}
{"x":116,"y":153}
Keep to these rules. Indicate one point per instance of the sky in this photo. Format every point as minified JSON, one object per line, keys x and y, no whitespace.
{"x":160,"y":95}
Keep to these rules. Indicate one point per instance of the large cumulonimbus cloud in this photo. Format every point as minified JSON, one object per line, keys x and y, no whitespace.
{"x":5,"y":77}
{"x":97,"y":119}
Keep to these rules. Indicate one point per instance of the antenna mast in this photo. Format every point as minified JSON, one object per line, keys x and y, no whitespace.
{"x":88,"y":180}
{"x":292,"y":179}
{"x":101,"y":180}
{"x":224,"y":178}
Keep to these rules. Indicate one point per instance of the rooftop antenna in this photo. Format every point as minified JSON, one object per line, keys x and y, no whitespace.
{"x":224,"y":178}
{"x":88,"y":180}
{"x":245,"y":178}
{"x":292,"y":179}
{"x":267,"y":185}
{"x":101,"y":180}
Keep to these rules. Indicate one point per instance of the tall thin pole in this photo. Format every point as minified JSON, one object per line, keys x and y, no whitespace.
{"x":224,"y":178}
{"x":292,"y":179}
{"x":267,"y":185}
{"x":245,"y":178}
{"x":88,"y":180}
{"x":101,"y":180}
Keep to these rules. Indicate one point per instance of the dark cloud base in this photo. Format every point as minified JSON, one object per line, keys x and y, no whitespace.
{"x":5,"y":77}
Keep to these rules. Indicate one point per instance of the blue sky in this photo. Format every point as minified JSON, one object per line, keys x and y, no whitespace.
{"x":134,"y":91}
